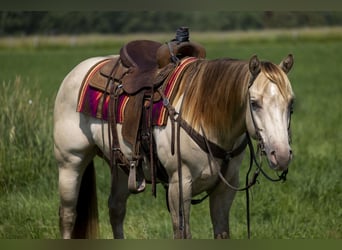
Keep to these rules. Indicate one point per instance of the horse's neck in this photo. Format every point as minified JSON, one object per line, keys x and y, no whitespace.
{"x":231,"y":134}
{"x":232,"y":105}
{"x":220,"y":112}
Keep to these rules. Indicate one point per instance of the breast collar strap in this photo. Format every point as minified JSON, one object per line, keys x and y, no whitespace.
{"x":206,"y":145}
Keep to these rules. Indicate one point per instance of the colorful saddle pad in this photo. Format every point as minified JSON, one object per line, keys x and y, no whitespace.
{"x":94,"y":102}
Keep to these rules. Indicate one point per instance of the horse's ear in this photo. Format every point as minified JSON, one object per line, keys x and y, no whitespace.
{"x":254,"y":65}
{"x":287,"y":63}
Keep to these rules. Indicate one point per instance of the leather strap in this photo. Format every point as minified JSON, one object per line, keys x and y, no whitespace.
{"x":217,"y":151}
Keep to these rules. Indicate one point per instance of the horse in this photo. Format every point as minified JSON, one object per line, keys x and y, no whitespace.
{"x":221,"y":100}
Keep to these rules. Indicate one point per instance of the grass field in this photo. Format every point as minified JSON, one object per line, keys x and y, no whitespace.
{"x":307,"y":205}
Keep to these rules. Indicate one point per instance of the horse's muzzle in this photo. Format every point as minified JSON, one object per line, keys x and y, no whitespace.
{"x":279,"y":160}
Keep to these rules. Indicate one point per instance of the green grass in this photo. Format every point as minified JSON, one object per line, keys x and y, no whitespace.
{"x":307,"y":205}
{"x":27,"y":168}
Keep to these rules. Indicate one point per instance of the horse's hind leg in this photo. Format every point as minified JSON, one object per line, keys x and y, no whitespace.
{"x":74,"y":151}
{"x":117,"y":203}
{"x":70,"y":177}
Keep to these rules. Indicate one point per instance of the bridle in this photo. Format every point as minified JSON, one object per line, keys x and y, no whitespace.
{"x":260,"y":141}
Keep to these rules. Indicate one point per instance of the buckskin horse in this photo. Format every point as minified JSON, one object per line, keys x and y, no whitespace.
{"x":216,"y":106}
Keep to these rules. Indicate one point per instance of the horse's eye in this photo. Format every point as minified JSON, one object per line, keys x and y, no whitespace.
{"x":255,"y":105}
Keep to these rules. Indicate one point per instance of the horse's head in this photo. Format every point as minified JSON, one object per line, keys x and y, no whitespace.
{"x":269,"y":109}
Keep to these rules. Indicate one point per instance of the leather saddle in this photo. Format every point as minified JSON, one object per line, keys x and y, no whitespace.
{"x":137,"y":68}
{"x":145,"y":64}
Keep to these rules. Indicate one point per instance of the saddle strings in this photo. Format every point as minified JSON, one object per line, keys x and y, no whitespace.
{"x":110,"y":82}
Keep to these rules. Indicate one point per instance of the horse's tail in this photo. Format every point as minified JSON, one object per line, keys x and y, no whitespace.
{"x":87,"y":224}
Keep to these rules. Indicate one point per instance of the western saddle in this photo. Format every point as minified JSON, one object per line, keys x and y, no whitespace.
{"x":141,"y":69}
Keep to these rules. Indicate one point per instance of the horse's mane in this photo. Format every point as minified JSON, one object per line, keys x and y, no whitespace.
{"x":215,"y":94}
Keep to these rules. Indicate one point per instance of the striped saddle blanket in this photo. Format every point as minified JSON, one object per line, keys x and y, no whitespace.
{"x":94,"y":101}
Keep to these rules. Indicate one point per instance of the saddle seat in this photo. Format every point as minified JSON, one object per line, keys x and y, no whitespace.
{"x":140,"y":58}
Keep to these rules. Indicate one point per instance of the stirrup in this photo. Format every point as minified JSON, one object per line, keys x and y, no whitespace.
{"x":136,"y":180}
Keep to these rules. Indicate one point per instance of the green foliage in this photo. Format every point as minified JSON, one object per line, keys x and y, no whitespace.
{"x":307,"y":205}
{"x":122,"y":22}
{"x":27,"y":166}
{"x":26,"y":142}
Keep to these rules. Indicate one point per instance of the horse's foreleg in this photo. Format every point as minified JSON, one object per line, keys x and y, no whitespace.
{"x":221,"y":200}
{"x":220,"y":203}
{"x":117,"y":202}
{"x":180,"y":210}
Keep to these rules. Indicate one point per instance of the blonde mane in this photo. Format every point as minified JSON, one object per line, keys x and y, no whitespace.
{"x":215,"y":93}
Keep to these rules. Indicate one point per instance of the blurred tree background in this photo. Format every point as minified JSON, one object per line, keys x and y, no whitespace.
{"x":121,"y":22}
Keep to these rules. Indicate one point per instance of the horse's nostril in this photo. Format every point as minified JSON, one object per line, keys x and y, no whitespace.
{"x":280,"y":159}
{"x":291,"y":155}
{"x":273,"y":158}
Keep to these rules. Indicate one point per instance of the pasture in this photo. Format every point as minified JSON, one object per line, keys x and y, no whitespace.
{"x":307,"y":206}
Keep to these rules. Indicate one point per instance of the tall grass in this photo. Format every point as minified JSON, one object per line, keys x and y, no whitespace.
{"x":27,"y":168}
{"x":26,"y":134}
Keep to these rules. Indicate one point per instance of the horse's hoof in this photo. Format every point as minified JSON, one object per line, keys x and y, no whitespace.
{"x":222,"y":236}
